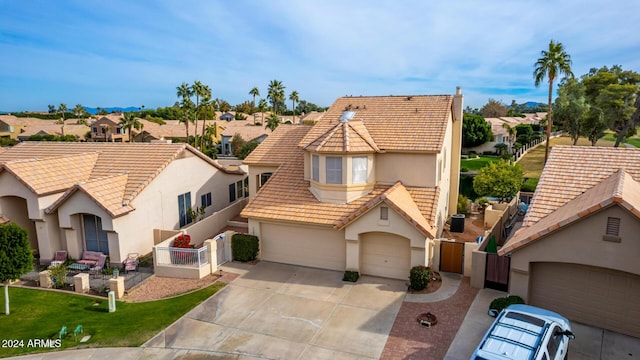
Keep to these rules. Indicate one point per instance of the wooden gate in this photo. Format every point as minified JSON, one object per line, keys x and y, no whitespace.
{"x":497,"y":272}
{"x":451,"y":257}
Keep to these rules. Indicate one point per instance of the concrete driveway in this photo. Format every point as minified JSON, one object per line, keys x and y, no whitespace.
{"x":288,"y":312}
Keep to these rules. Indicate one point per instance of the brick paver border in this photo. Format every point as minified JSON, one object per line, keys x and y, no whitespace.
{"x":409,"y":340}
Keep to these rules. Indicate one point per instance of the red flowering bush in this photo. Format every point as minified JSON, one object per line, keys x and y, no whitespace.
{"x":182,"y":257}
{"x":182,"y":241}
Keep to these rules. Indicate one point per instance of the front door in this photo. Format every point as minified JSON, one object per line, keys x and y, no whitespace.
{"x":95,"y":238}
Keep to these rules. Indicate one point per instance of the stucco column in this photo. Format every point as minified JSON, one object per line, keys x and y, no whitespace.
{"x":212,"y":247}
{"x":116,"y":255}
{"x":44,"y":243}
{"x":435,"y":258}
{"x":353,"y":255}
{"x":74,"y":244}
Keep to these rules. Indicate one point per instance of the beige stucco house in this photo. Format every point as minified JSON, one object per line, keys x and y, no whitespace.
{"x":108,"y":197}
{"x":108,"y":128}
{"x":364,"y":189}
{"x":578,"y":251}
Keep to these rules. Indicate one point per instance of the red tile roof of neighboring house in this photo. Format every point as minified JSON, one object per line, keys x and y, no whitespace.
{"x":576,"y":182}
{"x":278,"y":147}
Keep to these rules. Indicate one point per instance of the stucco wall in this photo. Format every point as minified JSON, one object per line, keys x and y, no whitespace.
{"x":15,"y":209}
{"x":411,"y":169}
{"x":581,"y":243}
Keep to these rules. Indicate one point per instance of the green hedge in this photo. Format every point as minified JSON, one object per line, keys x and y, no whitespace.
{"x":351,"y":276}
{"x":500,"y":303}
{"x":419,"y":277}
{"x":244,"y":247}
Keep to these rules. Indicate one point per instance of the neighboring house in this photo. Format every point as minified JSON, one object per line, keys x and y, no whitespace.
{"x":365,"y":189}
{"x":311,"y":118}
{"x":577,"y":253}
{"x":77,"y":130}
{"x":108,"y":197}
{"x":501,"y":134}
{"x":246,"y":130}
{"x":227,"y":116}
{"x":12,"y":126}
{"x":108,"y":128}
{"x":172,"y":129}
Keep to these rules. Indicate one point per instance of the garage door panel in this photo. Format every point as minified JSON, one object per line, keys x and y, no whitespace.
{"x":325,"y":249}
{"x":385,"y":255}
{"x":594,"y":296}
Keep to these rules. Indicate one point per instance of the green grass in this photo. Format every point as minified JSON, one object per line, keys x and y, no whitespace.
{"x":39,"y":314}
{"x":533,"y":162}
{"x":477,"y":163}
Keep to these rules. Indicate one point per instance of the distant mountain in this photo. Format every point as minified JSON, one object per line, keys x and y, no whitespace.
{"x":533,"y":104}
{"x":112,"y":109}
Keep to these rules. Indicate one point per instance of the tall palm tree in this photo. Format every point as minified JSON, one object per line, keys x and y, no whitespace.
{"x":276,"y":93}
{"x":62,"y":109}
{"x":294,"y":99}
{"x":511,"y":131}
{"x":128,"y":121}
{"x":553,"y":62}
{"x":272,"y":121}
{"x":184,"y":92}
{"x":254,"y":92}
{"x":197,"y":89}
{"x":205,"y":104}
{"x":262,"y":107}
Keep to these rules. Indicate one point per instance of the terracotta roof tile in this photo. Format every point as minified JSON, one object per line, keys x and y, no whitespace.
{"x":395,"y":123}
{"x":277,"y":148}
{"x":347,"y":136}
{"x":620,"y":187}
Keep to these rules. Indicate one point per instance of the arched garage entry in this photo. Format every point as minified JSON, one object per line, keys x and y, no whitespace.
{"x":587,"y":294}
{"x":386,"y":255}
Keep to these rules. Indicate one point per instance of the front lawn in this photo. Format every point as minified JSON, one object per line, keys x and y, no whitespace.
{"x":40,"y":314}
{"x":477,"y":163}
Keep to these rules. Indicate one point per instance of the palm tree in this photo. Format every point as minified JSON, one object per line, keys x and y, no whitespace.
{"x":262,"y":107}
{"x":276,"y":93}
{"x":254,"y":92}
{"x":185,"y":92}
{"x":205,"y":104}
{"x":197,"y":89}
{"x":553,"y":62}
{"x":79,"y":111}
{"x":294,"y":99}
{"x":128,"y":121}
{"x":511,"y":131}
{"x":62,"y":109}
{"x":272,"y":121}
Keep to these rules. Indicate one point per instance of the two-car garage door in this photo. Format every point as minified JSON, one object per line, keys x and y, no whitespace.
{"x":590,"y":295}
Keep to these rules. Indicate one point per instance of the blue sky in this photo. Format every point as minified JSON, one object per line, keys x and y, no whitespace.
{"x":132,"y":53}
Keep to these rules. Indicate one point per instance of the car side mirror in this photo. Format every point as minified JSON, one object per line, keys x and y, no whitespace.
{"x":566,"y":333}
{"x":493,"y":313}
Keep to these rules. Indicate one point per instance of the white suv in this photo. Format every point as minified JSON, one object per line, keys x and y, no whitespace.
{"x":525,"y":332}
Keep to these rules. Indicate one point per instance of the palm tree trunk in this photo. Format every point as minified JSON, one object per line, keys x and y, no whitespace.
{"x":549,"y":122}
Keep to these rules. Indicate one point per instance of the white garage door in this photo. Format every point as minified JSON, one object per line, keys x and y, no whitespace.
{"x":325,"y":249}
{"x":590,"y":295}
{"x":385,"y":255}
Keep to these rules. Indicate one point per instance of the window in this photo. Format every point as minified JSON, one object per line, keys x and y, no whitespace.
{"x":315,"y":166}
{"x":232,"y":192}
{"x":205,"y":200}
{"x":104,"y":131}
{"x":95,"y":129}
{"x":613,"y":226}
{"x":184,"y":205}
{"x":359,"y":170}
{"x":264,"y":177}
{"x":554,"y":341}
{"x":246,"y":187}
{"x":334,"y":170}
{"x":384,"y":213}
{"x":239,"y":189}
{"x":118,"y":130}
{"x":95,"y":238}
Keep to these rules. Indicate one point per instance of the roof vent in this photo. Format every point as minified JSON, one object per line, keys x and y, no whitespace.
{"x":347,"y":115}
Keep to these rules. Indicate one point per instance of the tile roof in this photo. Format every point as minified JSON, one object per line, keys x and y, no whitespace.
{"x":396,"y":123}
{"x":247,"y":130}
{"x":571,"y":170}
{"x":619,"y":188}
{"x":347,"y":136}
{"x":78,"y":130}
{"x":279,"y":146}
{"x":52,"y":167}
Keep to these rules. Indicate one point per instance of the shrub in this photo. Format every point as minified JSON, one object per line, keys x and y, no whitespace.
{"x":419,"y":277}
{"x":463,"y":207}
{"x":529,"y":184}
{"x":182,"y":241}
{"x":500,"y":303}
{"x":464,"y":169}
{"x":483,"y":202}
{"x":244,"y":247}
{"x":58,"y":275}
{"x":351,"y":276}
{"x":506,"y":156}
{"x":488,"y":152}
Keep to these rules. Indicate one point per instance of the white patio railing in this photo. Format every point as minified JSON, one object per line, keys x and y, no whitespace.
{"x":195,"y":258}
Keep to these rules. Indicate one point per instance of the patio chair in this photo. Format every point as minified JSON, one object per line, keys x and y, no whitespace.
{"x":131,"y":263}
{"x":97,"y":269}
{"x":59,"y":258}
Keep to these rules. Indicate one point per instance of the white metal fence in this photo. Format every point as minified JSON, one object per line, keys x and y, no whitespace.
{"x":195,"y":258}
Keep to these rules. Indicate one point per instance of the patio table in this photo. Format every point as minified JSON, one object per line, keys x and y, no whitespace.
{"x":78,"y":267}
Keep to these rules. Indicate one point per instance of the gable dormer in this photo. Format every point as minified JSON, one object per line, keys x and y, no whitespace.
{"x":340,"y":162}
